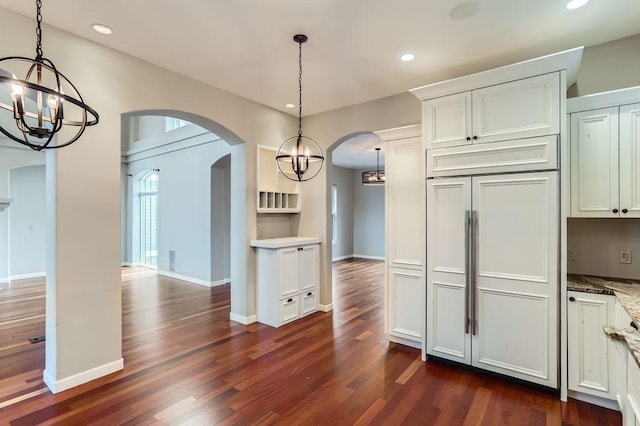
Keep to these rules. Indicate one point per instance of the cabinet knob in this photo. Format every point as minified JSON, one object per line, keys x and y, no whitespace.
{"x":289,"y":300}
{"x":309,"y":294}
{"x":475,"y":137}
{"x":625,"y":211}
{"x":572,"y":299}
{"x":468,"y":138}
{"x":633,"y":324}
{"x":615,"y":210}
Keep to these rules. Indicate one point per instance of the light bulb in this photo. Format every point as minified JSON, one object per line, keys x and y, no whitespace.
{"x":16,"y":89}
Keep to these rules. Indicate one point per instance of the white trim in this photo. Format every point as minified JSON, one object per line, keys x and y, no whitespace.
{"x":396,"y":133}
{"x":595,"y":400}
{"x":130,"y":264}
{"x":613,"y":98}
{"x":348,"y":256}
{"x":406,"y":342}
{"x":78,"y":379}
{"x":568,"y":60}
{"x":326,"y":308}
{"x":220,"y":282}
{"x":27,"y":276}
{"x":186,"y":278}
{"x":364,"y":256}
{"x":145,"y":150}
{"x":4,"y":280}
{"x":241,"y":319}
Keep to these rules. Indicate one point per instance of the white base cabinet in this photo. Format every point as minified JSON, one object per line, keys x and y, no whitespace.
{"x":590,"y":351}
{"x":287,"y":282}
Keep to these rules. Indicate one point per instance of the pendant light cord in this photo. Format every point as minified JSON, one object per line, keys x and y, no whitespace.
{"x":38,"y":31}
{"x":300,"y":89}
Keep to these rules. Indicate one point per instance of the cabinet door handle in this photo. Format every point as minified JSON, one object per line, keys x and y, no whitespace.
{"x":474,"y":284}
{"x":625,"y":211}
{"x":615,"y":210}
{"x":309,"y":294}
{"x":468,"y":138}
{"x":289,"y":300}
{"x":475,"y":137}
{"x":467,"y":223}
{"x":633,"y":324}
{"x":572,"y":299}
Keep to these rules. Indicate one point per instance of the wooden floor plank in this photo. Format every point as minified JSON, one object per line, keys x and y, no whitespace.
{"x":187,"y":364}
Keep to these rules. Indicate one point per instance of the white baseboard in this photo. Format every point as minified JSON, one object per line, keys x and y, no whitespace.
{"x":364,"y":256}
{"x":186,"y":278}
{"x":27,"y":276}
{"x":326,"y":308}
{"x":595,"y":400}
{"x":220,"y":282}
{"x":4,"y":280}
{"x":130,"y":264}
{"x":78,"y":379}
{"x":241,"y":319}
{"x":406,"y":342}
{"x":335,"y":259}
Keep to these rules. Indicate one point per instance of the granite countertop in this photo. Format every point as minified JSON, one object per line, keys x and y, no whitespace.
{"x":627,"y":291}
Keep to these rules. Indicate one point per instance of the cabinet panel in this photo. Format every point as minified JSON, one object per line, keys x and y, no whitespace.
{"x":405,"y":304}
{"x":589,"y":348}
{"x":594,"y":163}
{"x":447,"y":121}
{"x":630,"y":160}
{"x":518,"y":109}
{"x":309,"y":264}
{"x":308,"y":303}
{"x":288,"y":310}
{"x":288,"y":272}
{"x":404,"y":200}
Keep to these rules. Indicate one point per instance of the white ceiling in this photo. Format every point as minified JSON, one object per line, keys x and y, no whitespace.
{"x":359,"y":152}
{"x":246,"y":47}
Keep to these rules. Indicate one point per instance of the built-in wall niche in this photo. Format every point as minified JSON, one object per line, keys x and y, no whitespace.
{"x":276,"y":193}
{"x":594,"y":246}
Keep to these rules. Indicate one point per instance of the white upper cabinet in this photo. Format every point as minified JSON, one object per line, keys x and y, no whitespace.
{"x":514,"y":110}
{"x":605,"y":155}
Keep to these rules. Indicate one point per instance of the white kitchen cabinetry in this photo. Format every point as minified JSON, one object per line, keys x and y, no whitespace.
{"x":492,"y":273}
{"x":513,"y":110}
{"x":605,"y":155}
{"x":405,"y":231}
{"x":287,"y":279}
{"x":276,"y":193}
{"x":592,"y":366}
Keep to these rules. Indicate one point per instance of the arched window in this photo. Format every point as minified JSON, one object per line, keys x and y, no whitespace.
{"x":149,"y":219}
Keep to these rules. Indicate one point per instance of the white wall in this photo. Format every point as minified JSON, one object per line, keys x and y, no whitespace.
{"x":368,"y":219}
{"x":343,"y":179}
{"x":597,"y":243}
{"x":27,"y":236}
{"x":11,"y":156}
{"x":221,"y":221}
{"x":184,"y":200}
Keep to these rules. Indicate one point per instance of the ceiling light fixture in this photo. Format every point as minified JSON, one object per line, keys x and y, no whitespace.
{"x":101,"y":28}
{"x":290,"y":105}
{"x":374,"y":177}
{"x":300,"y":158}
{"x":407,"y":57}
{"x":574,"y":4}
{"x":43,"y":102}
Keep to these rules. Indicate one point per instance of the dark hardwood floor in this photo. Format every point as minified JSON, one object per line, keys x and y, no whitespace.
{"x":186,"y":363}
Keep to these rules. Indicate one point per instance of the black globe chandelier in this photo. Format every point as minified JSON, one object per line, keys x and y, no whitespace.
{"x":46,"y":107}
{"x":300,"y":157}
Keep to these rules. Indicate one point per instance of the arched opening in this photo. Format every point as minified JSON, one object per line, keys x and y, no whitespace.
{"x":148,"y":219}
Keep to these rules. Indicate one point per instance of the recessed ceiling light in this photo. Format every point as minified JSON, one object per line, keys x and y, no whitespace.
{"x":574,"y":4}
{"x":290,"y":105}
{"x":407,"y":57}
{"x":102,"y":29}
{"x":463,"y":11}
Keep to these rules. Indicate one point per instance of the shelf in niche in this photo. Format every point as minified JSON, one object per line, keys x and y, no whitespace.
{"x":278,"y":202}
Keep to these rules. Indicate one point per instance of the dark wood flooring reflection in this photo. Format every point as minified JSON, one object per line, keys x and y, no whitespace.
{"x":186,"y":363}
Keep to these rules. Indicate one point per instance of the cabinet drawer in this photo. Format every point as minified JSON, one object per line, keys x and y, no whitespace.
{"x":308,"y":302}
{"x":288,"y":310}
{"x":517,"y":155}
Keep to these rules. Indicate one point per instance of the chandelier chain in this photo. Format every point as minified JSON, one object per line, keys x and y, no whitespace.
{"x":300,"y":89}
{"x":38,"y":30}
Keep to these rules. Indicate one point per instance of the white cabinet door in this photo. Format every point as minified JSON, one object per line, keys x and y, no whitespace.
{"x":404,"y":201}
{"x":516,"y":282}
{"x":308,"y":267}
{"x":630,"y":160}
{"x":518,"y":109}
{"x":447,"y":121}
{"x":288,"y":280}
{"x":590,"y":352}
{"x":405,"y":308}
{"x":594,"y":163}
{"x":448,"y":209}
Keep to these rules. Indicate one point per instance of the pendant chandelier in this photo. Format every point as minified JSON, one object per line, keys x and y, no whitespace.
{"x":300,"y":158}
{"x":374,"y":177}
{"x":47,"y":109}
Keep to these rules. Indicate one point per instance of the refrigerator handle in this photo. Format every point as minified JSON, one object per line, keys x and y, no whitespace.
{"x":467,"y":259}
{"x":474,"y":260}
